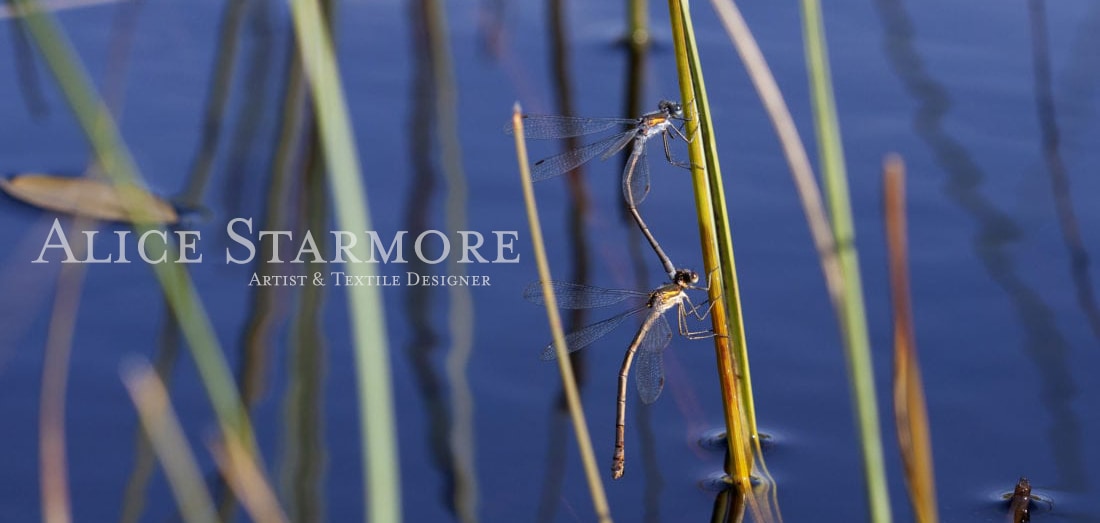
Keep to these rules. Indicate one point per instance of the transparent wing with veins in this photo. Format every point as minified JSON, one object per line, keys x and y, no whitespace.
{"x":577,"y":296}
{"x":650,"y":373}
{"x":546,"y":127}
{"x":580,"y":339}
{"x":573,"y":158}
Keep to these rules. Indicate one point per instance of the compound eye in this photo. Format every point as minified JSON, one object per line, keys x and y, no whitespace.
{"x":686,"y":277}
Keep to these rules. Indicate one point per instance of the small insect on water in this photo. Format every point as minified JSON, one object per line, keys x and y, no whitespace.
{"x":651,"y":339}
{"x":1019,"y":510}
{"x":1023,"y":501}
{"x":635,"y":132}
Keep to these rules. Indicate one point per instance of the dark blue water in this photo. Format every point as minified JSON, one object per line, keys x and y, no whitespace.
{"x":999,"y":158}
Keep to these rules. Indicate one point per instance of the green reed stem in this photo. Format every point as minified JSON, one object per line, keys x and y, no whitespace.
{"x":852,"y":314}
{"x":376,"y":416}
{"x":729,"y":340}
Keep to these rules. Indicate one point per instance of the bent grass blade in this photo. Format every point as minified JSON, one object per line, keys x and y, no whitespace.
{"x":569,"y":385}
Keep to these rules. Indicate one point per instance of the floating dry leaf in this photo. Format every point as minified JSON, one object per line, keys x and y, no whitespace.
{"x":90,"y":198}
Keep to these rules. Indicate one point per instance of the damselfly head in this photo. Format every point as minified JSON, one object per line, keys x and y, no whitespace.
{"x":671,"y":108}
{"x":685,"y":277}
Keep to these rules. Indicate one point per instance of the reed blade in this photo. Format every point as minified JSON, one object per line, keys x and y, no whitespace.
{"x":852,"y":314}
{"x":910,"y":410}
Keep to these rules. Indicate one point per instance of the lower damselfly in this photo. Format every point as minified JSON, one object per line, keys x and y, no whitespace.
{"x":648,"y":343}
{"x":635,"y":132}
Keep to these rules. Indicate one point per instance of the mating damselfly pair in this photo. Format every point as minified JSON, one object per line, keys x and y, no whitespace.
{"x":653,"y":334}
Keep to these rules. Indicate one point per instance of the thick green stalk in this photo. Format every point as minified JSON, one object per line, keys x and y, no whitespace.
{"x":721,"y":276}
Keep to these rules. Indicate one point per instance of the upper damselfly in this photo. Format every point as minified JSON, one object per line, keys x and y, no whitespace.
{"x":630,"y":131}
{"x":648,"y":343}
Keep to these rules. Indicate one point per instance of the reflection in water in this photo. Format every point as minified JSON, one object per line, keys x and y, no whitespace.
{"x":251,"y":110}
{"x":216,"y":98}
{"x":17,"y":316}
{"x":29,"y":85}
{"x":268,"y":310}
{"x":461,"y":315}
{"x":263,"y":319}
{"x":418,"y":308}
{"x":576,"y":216}
{"x":637,"y":49}
{"x":651,"y":467}
{"x":729,"y":504}
{"x":123,"y":27}
{"x":1080,"y":80}
{"x":304,"y":452}
{"x":434,"y":100}
{"x":1043,"y":343}
{"x":556,"y":457}
{"x":1059,"y":178}
{"x":303,"y":457}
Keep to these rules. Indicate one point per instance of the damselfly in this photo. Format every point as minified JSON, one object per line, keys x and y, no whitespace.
{"x":630,"y":131}
{"x":651,"y":339}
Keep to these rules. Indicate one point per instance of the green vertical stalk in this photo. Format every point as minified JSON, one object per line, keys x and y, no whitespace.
{"x":731,"y":346}
{"x":729,"y":339}
{"x":722,"y":224}
{"x":852,"y":318}
{"x":638,"y":21}
{"x":377,"y":423}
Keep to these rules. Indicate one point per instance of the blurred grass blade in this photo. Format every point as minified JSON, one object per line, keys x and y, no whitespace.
{"x":852,"y":314}
{"x":90,"y":198}
{"x":793,"y":149}
{"x":217,"y":96}
{"x":379,"y":430}
{"x":169,"y":443}
{"x":569,"y":382}
{"x":910,"y":411}
{"x":119,"y":167}
{"x":9,"y":10}
{"x":52,"y":451}
{"x":248,"y":482}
